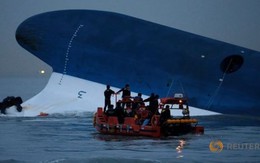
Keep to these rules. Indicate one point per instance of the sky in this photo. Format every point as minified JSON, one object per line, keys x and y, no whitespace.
{"x":232,"y":21}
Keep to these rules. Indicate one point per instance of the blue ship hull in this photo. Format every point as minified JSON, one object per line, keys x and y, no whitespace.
{"x":116,"y":49}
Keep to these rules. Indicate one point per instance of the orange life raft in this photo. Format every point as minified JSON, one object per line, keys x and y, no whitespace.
{"x":130,"y":127}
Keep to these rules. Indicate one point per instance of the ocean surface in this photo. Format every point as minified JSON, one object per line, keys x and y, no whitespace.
{"x":62,"y":138}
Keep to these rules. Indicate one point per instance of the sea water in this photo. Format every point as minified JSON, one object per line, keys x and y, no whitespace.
{"x":72,"y":138}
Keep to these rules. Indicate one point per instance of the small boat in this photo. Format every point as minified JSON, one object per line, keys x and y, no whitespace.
{"x":158,"y":124}
{"x":43,"y":114}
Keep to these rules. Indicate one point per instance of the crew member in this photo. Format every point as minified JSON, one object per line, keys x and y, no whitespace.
{"x":153,"y":103}
{"x":126,"y":95}
{"x":165,"y":114}
{"x":119,"y":112}
{"x":138,"y":100}
{"x":150,"y":99}
{"x":107,"y":93}
{"x":186,"y":112}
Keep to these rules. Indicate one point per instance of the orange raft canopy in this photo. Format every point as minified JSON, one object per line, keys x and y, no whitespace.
{"x":140,"y":123}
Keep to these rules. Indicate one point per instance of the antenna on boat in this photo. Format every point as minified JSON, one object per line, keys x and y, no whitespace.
{"x":182,"y":89}
{"x":169,"y":88}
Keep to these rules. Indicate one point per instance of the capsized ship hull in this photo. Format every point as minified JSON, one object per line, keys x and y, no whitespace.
{"x":111,"y":48}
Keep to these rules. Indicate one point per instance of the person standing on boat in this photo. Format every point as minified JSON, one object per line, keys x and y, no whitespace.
{"x":138,"y":100}
{"x":107,"y":93}
{"x":153,"y":103}
{"x":126,"y":95}
{"x":165,"y":114}
{"x":119,"y":112}
{"x":150,"y":99}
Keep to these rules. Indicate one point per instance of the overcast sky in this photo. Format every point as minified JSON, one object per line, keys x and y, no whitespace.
{"x":232,"y":21}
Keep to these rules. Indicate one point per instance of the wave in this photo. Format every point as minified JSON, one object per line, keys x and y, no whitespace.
{"x":102,"y":160}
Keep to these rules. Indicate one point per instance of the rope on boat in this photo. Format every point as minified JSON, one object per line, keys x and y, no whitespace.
{"x":211,"y":100}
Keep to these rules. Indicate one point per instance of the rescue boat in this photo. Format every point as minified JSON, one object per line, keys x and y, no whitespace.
{"x":114,"y":123}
